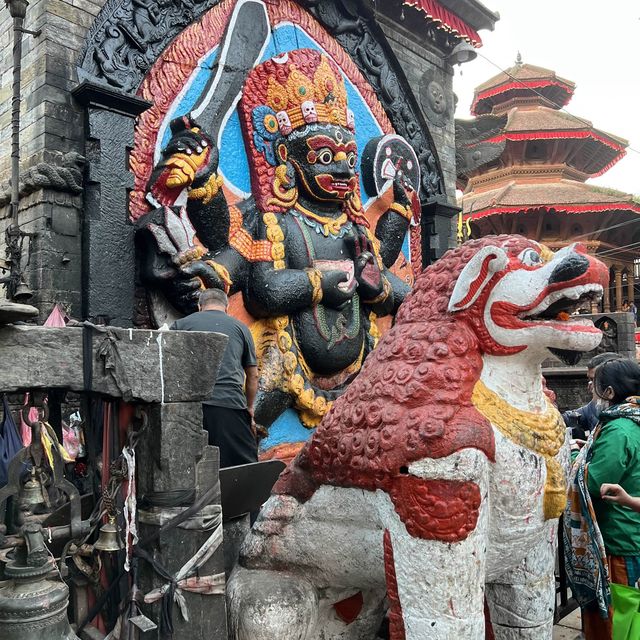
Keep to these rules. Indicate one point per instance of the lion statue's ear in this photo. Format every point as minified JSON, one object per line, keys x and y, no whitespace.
{"x":475,"y":277}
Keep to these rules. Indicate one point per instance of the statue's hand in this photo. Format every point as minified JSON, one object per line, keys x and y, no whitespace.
{"x":198,"y":147}
{"x":189,"y":161}
{"x":402,"y":190}
{"x":367,"y":273}
{"x":204,"y":272}
{"x":184,"y":289}
{"x":335,"y":290}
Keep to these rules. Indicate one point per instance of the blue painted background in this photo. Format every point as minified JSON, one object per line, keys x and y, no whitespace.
{"x":233,"y":162}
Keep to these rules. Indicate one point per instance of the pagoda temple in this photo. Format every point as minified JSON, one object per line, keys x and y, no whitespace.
{"x":523,"y":163}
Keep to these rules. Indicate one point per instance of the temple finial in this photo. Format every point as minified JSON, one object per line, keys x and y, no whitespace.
{"x":519,"y":60}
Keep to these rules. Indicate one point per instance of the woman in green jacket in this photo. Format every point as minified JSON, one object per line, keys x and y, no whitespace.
{"x":605,"y":534}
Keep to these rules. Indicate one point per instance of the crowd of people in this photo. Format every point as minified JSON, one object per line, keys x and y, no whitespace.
{"x":602,"y":518}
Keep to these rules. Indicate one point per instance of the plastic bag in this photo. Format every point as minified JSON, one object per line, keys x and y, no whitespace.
{"x":626,"y":612}
{"x":10,"y":441}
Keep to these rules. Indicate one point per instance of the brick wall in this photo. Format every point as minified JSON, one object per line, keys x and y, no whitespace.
{"x":49,"y":120}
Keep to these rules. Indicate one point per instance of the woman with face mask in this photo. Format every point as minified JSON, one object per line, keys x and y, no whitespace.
{"x":602,"y":537}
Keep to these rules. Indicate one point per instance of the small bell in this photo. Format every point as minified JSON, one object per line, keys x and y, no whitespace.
{"x":23,"y":292}
{"x":31,"y":493}
{"x":109,"y":540}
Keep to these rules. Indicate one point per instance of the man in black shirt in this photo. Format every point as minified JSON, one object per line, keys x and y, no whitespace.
{"x":228,"y":414}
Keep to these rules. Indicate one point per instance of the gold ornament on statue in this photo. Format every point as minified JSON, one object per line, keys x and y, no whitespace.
{"x":286,"y":195}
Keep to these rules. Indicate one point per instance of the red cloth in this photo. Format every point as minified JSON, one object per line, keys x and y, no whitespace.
{"x":451,"y":22}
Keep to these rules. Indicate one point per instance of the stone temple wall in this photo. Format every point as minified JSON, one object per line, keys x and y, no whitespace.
{"x":51,"y":126}
{"x":431,"y":79}
{"x":53,"y":134}
{"x":432,"y":82}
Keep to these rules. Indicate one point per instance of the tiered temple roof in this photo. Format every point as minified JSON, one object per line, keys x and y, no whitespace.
{"x":516,"y":84}
{"x":523,"y":163}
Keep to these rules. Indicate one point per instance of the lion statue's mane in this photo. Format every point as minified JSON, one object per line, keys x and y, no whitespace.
{"x":412,"y":399}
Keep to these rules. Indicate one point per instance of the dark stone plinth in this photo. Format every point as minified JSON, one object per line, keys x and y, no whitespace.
{"x":151,"y":366}
{"x":172,"y":447}
{"x":173,"y":455}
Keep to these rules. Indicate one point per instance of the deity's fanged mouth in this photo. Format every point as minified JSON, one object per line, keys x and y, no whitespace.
{"x":559,"y":305}
{"x":331,"y":185}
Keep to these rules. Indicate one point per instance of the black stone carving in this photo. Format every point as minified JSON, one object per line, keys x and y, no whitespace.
{"x":472,"y":148}
{"x":433,"y":98}
{"x":64,"y":176}
{"x":128,"y":36}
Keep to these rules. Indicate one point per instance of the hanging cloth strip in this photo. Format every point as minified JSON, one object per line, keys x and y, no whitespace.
{"x":50,"y":441}
{"x":10,"y":442}
{"x":204,"y":520}
{"x":138,"y":550}
{"x":131,"y":530}
{"x":32,"y":416}
{"x":185,"y":579}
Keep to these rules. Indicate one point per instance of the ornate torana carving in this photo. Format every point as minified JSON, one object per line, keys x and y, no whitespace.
{"x":128,"y":35}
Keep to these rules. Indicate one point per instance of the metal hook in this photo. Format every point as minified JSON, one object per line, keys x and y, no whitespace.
{"x":43,"y":412}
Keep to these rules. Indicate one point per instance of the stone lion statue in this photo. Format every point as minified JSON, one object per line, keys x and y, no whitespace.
{"x":432,"y":487}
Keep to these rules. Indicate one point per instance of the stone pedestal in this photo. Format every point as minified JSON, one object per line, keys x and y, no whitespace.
{"x":173,"y":456}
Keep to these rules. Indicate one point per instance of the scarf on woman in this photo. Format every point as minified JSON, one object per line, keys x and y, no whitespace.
{"x":585,"y":556}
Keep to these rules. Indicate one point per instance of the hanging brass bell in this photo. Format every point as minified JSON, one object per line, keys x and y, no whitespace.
{"x":109,"y":540}
{"x":23,"y":292}
{"x":31,"y":493}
